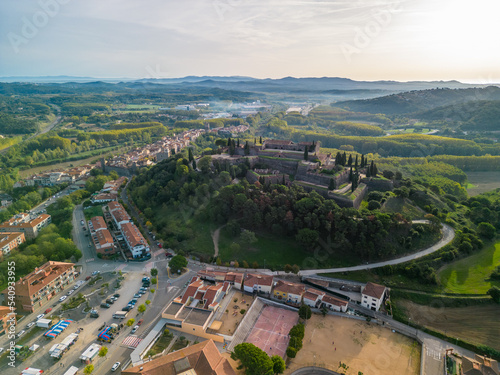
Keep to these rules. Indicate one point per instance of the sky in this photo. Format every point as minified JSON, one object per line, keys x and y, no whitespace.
{"x":370,"y":40}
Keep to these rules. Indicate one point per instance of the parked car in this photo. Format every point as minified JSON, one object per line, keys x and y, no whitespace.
{"x":127,"y":308}
{"x":137,"y":295}
{"x":169,"y":255}
{"x":82,"y":222}
{"x":70,"y":292}
{"x":87,"y":278}
{"x":1,"y":350}
{"x":145,"y":279}
{"x":62,"y":298}
{"x":133,"y":301}
{"x":40,"y":316}
{"x":140,"y":322}
{"x":21,"y":333}
{"x":116,"y":295}
{"x":109,"y":301}
{"x":94,"y":314}
{"x":134,"y":329}
{"x":95,"y":272}
{"x":76,"y":286}
{"x":105,"y":305}
{"x":48,"y":310}
{"x":115,"y":366}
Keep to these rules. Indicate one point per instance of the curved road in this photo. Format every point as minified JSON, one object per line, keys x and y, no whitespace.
{"x":313,"y":371}
{"x":448,"y":236}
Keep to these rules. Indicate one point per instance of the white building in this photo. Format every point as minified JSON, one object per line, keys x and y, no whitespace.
{"x":372,"y":296}
{"x":335,"y":304}
{"x":255,"y":282}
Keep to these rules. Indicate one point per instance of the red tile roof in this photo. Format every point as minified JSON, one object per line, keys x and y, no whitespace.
{"x":258,"y":279}
{"x":289,"y":287}
{"x":334,"y":301}
{"x":374,"y":290}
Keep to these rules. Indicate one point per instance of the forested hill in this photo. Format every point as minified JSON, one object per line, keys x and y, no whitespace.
{"x":483,"y":115}
{"x":417,"y":101}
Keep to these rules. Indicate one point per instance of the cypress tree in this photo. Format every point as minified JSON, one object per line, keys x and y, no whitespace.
{"x":306,"y":153}
{"x":283,"y":182}
{"x":260,"y":140}
{"x":190,"y":154}
{"x":194,"y":164}
{"x":374,"y":170}
{"x":331,"y":185}
{"x":229,"y":141}
{"x":349,"y":163}
{"x":344,"y":159}
{"x":356,"y":162}
{"x":238,"y":144}
{"x":350,"y":174}
{"x":338,"y":159}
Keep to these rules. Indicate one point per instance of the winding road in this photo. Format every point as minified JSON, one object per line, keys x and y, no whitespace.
{"x":448,"y":236}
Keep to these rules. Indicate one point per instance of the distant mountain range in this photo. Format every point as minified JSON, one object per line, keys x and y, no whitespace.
{"x":324,"y":85}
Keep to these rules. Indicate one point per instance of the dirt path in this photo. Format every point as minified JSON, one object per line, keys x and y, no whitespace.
{"x":215,"y":238}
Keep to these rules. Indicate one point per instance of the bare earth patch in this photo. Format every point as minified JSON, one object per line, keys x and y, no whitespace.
{"x":233,"y":317}
{"x":362,"y":346}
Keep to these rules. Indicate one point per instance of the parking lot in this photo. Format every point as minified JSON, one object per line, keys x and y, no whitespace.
{"x":95,"y":293}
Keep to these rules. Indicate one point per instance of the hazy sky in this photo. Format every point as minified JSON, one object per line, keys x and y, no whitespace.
{"x":359,"y":39}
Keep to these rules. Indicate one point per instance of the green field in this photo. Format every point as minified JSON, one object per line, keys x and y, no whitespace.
{"x":470,"y":275}
{"x":395,"y":204}
{"x":481,"y":182}
{"x":93,"y":211}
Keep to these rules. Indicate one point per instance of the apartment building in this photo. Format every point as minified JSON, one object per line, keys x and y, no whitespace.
{"x":41,"y":285}
{"x":134,"y":239}
{"x":29,"y":228}
{"x":9,"y":241}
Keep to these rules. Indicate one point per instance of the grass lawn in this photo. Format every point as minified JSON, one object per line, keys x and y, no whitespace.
{"x":92,"y":211}
{"x":395,"y":204}
{"x":161,"y":344}
{"x":470,"y":275}
{"x":179,"y":344}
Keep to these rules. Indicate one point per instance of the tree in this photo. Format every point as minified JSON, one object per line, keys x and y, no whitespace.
{"x":279,"y":366}
{"x":130,"y":322}
{"x":287,"y":268}
{"x":260,"y":139}
{"x":154,"y":281}
{"x":305,"y":312}
{"x":177,"y":263}
{"x":253,"y":359}
{"x":190,"y":154}
{"x":255,"y":265}
{"x":295,"y":269}
{"x":88,"y":369}
{"x":245,"y":264}
{"x":194,"y":164}
{"x":494,"y":293}
{"x":349,"y":162}
{"x":141,"y":308}
{"x":306,"y":154}
{"x":486,"y":230}
{"x":307,"y":237}
{"x":324,"y":311}
{"x":331,"y":185}
{"x":147,"y":302}
{"x":103,"y":351}
{"x":154,"y":272}
{"x":204,"y":164}
{"x":248,"y":237}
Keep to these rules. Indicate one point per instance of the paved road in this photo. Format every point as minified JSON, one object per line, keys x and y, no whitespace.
{"x":448,"y":236}
{"x":313,"y":371}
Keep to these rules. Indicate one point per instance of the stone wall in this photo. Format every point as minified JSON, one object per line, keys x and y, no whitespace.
{"x":285,"y":166}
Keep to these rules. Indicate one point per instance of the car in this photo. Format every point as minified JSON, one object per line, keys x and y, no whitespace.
{"x":87,"y":278}
{"x":137,"y":295}
{"x":105,"y":305}
{"x":95,"y":272}
{"x":1,"y":350}
{"x":94,"y":314}
{"x":30,"y":324}
{"x":115,"y":366}
{"x":113,"y":298}
{"x":90,"y":245}
{"x":133,"y":301}
{"x":143,"y":289}
{"x":21,"y":333}
{"x":82,"y":222}
{"x":62,"y":298}
{"x":145,"y":279}
{"x":116,"y":295}
{"x":40,"y":316}
{"x":84,"y":228}
{"x":109,"y":301}
{"x":76,"y":286}
{"x":127,"y":308}
{"x":134,"y":329}
{"x":71,"y":291}
{"x":140,"y":293}
{"x":169,"y":255}
{"x":140,"y":322}
{"x":48,"y":310}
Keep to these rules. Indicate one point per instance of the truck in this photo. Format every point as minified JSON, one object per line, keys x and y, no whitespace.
{"x":120,"y":314}
{"x":44,"y":323}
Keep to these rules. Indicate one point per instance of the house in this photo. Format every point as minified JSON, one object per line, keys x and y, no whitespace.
{"x":103,"y":242}
{"x":255,"y":282}
{"x":103,"y":198}
{"x":289,"y":292}
{"x":30,"y":228}
{"x":134,"y":239}
{"x":205,"y":295}
{"x":312,"y":297}
{"x":235,"y":278}
{"x":118,"y":214}
{"x":9,"y":241}
{"x":372,"y":296}
{"x":199,"y":359}
{"x":333,"y":303}
{"x":41,"y":285}
{"x":479,"y":366}
{"x":97,"y":223}
{"x":7,"y":315}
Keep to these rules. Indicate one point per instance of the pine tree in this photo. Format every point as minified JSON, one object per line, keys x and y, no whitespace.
{"x":331,"y":185}
{"x":306,"y":153}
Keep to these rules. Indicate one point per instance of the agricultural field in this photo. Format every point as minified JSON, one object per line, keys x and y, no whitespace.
{"x":471,"y":275}
{"x":481,"y":182}
{"x":476,"y":324}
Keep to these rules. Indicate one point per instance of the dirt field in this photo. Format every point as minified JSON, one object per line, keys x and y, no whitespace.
{"x":362,"y":346}
{"x":477,"y":324}
{"x":232,"y":319}
{"x":482,"y":182}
